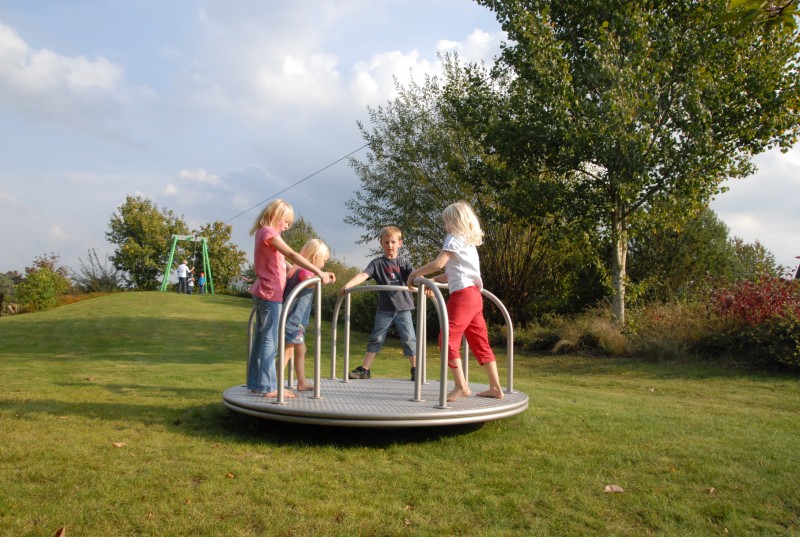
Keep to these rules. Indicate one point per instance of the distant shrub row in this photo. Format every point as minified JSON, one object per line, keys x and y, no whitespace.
{"x":757,"y":322}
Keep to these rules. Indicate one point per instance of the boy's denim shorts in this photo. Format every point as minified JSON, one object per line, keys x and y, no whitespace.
{"x":405,"y":328}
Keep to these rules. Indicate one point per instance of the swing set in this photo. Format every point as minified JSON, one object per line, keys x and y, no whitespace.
{"x":206,"y":264}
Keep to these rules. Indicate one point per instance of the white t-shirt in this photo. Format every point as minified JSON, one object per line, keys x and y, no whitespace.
{"x":464,"y":268}
{"x":183,"y":270}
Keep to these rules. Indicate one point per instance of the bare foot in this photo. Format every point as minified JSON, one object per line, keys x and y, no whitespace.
{"x":305,"y":387}
{"x":286,"y":394}
{"x":457,"y":394}
{"x":497,"y":393}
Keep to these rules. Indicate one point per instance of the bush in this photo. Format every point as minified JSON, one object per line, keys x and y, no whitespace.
{"x":759,"y":321}
{"x":669,"y":331}
{"x":39,"y":289}
{"x":592,"y":332}
{"x":756,"y":302}
{"x":97,"y":276}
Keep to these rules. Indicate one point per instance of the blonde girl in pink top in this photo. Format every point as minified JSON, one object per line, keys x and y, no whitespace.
{"x":459,"y":259}
{"x":269,"y":260}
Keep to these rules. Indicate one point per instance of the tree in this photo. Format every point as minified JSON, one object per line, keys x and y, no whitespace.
{"x":7,"y":284}
{"x":300,"y":233}
{"x":412,"y":172}
{"x":43,"y":281}
{"x":142,"y":234}
{"x":225,"y":257}
{"x":772,"y":14}
{"x":419,"y":161}
{"x":753,"y":261}
{"x":97,"y":276}
{"x":638,"y":110}
{"x":692,"y":258}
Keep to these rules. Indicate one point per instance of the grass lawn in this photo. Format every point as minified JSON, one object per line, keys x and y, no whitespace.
{"x":111,"y":423}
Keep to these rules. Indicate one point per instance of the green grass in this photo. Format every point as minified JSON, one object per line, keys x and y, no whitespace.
{"x":699,"y":449}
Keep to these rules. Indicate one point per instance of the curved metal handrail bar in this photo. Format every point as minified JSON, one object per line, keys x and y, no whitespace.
{"x":422,"y":334}
{"x":346,"y":299}
{"x":509,"y":337}
{"x":282,"y":335}
{"x":444,"y":327}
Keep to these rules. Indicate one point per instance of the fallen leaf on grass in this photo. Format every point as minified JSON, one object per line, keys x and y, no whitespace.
{"x":117,"y":444}
{"x":61,"y":532}
{"x":229,"y":475}
{"x":711,"y":490}
{"x":613,"y":488}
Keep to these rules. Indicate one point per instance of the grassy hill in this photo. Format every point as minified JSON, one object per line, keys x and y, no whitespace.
{"x":111,"y":423}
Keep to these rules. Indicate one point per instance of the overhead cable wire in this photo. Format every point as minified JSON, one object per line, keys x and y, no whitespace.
{"x":297,"y":183}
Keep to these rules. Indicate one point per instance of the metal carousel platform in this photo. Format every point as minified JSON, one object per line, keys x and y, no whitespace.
{"x":376,"y":402}
{"x":380,"y":402}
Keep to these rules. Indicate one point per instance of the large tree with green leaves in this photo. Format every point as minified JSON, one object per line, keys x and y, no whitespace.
{"x":412,"y":171}
{"x":689,"y":260}
{"x":772,"y":14}
{"x":299,"y":233}
{"x":419,"y":161}
{"x":142,"y":234}
{"x":226,"y":259}
{"x":639,"y":109}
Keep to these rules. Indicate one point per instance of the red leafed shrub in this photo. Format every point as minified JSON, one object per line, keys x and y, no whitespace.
{"x":757,"y":302}
{"x":761,"y":320}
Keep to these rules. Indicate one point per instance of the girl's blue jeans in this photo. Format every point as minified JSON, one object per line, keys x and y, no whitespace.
{"x":261,"y":375}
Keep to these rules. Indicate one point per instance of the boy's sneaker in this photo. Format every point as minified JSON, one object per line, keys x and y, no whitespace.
{"x":359,"y":373}
{"x":413,"y":374}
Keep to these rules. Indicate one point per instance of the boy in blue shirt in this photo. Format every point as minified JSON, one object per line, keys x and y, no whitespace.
{"x":393,"y":306}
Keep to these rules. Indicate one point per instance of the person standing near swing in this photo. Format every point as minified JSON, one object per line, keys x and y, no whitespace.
{"x":183,"y":276}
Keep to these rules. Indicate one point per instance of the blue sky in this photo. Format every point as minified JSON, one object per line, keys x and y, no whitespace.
{"x":208,"y":108}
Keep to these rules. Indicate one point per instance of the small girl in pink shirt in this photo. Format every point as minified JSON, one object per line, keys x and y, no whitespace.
{"x":270,"y":265}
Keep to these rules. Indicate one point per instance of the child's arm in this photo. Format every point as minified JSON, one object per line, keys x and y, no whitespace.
{"x":358,"y":279}
{"x":434,"y":266}
{"x":307,"y":274}
{"x":282,"y":247}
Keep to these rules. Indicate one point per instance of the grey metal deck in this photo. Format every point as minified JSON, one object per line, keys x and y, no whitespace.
{"x":376,"y":402}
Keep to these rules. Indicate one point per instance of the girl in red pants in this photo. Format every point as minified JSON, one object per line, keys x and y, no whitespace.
{"x":462,"y":272}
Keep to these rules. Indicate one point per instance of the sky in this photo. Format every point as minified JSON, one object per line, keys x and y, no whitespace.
{"x":211,"y":108}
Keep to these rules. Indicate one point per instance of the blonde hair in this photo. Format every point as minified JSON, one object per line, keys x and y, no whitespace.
{"x":272,"y":214}
{"x":391,"y":230}
{"x":312,"y":250}
{"x":460,"y":220}
{"x":315,"y":249}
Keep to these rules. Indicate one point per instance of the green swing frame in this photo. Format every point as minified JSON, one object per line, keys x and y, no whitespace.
{"x":206,"y":263}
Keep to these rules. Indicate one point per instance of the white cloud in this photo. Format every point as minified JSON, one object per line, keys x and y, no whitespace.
{"x":171,"y":190}
{"x":199,"y":176}
{"x":478,"y":46}
{"x":7,"y":199}
{"x":278,"y":64}
{"x":57,"y":233}
{"x":77,"y":91}
{"x":763,"y":207}
{"x":374,"y":79}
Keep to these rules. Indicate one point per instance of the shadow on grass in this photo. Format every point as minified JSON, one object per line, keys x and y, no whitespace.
{"x":165,"y":391}
{"x":215,"y":422}
{"x":240,"y":427}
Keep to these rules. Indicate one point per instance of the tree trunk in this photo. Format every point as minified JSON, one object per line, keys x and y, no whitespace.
{"x":619,"y":239}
